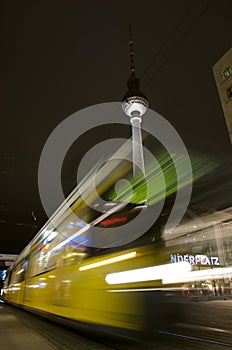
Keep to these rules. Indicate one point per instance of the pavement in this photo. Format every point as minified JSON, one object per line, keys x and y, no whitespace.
{"x":210,"y":297}
{"x":15,"y":334}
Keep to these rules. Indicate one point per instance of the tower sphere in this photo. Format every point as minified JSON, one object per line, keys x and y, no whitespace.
{"x":135,"y":106}
{"x":134,"y":102}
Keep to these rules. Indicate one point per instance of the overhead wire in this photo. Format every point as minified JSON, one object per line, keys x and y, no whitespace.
{"x":177,"y":45}
{"x":179,"y":23}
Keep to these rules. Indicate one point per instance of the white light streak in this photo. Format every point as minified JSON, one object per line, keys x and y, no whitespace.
{"x":200,"y":275}
{"x":108,"y":261}
{"x":151,"y":273}
{"x":52,"y":235}
{"x":131,"y":290}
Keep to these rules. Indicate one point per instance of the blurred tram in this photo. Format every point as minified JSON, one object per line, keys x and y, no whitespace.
{"x":62,"y":275}
{"x":74,"y":282}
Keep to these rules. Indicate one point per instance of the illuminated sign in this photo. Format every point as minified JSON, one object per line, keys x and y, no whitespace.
{"x":9,"y":257}
{"x":113,"y":221}
{"x":198,"y":259}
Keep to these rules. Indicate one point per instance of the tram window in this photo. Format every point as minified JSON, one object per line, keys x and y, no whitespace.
{"x":31,"y":265}
{"x":43,"y":258}
{"x":18,"y":274}
{"x":52,"y":260}
{"x":8,"y":278}
{"x":74,"y":254}
{"x":12,"y":277}
{"x":42,"y":261}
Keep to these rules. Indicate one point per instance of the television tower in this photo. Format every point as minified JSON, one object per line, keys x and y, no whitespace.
{"x":134,"y":105}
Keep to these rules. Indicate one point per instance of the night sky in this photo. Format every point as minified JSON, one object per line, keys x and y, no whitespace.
{"x":58,"y":57}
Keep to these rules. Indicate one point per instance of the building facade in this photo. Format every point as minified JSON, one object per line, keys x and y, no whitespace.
{"x":223,"y":76}
{"x":205,"y":242}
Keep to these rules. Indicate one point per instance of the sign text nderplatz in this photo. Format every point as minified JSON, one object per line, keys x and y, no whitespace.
{"x":198,"y":259}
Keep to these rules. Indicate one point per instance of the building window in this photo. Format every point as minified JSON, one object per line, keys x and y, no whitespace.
{"x":226,"y":72}
{"x":229,"y":92}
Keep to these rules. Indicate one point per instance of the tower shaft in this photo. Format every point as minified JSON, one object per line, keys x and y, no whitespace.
{"x":137,"y":146}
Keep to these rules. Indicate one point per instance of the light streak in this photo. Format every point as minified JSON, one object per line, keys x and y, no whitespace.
{"x":108,"y":261}
{"x":200,"y":275}
{"x":151,"y":273}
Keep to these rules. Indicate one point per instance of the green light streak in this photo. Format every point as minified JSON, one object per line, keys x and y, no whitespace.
{"x":136,"y":192}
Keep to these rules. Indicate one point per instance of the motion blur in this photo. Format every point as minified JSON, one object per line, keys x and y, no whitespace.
{"x":146,"y":285}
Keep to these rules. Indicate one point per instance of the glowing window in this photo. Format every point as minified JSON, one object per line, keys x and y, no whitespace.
{"x":226,"y":72}
{"x":229,"y":92}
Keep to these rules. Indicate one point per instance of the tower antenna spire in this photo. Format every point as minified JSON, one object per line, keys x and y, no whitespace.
{"x":131,"y":54}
